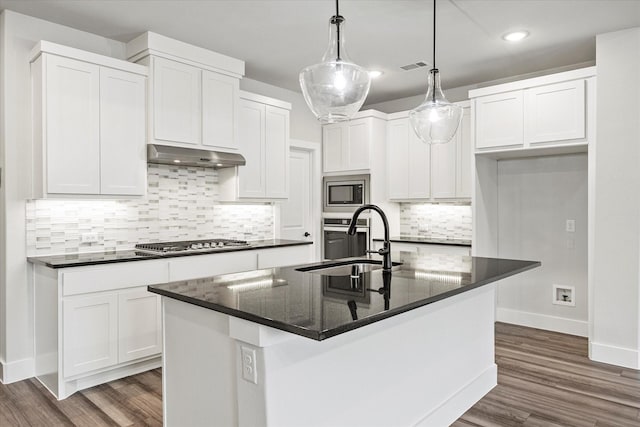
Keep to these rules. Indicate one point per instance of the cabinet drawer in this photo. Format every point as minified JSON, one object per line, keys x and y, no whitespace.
{"x":193,"y":267}
{"x":114,"y":276}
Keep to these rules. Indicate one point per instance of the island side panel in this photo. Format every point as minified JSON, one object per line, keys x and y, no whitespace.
{"x":423,"y":367}
{"x":199,"y":373}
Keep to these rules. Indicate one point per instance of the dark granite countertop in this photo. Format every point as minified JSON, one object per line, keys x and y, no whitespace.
{"x":427,"y":240}
{"x":94,"y":258}
{"x":319,"y":306}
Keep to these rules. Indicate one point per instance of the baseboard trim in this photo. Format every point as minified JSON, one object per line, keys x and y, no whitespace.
{"x":543,"y":321}
{"x":619,"y":356}
{"x":447,"y":413}
{"x":16,"y":371}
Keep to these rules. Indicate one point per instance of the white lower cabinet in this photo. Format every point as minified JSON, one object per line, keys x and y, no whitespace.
{"x":90,"y":333}
{"x":139,"y":324}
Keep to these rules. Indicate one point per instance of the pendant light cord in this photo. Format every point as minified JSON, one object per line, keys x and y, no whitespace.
{"x":337,"y":22}
{"x":434,"y":69}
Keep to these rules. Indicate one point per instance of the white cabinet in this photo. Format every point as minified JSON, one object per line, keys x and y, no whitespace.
{"x":264,"y":141}
{"x":346,"y":146}
{"x":90,"y":331}
{"x":555,"y":112}
{"x":176,"y":101}
{"x":543,"y":113}
{"x":194,"y":93}
{"x":499,"y":120}
{"x":88,"y":122}
{"x":409,"y":162}
{"x":419,"y":171}
{"x":139,"y":324}
{"x":426,"y":248}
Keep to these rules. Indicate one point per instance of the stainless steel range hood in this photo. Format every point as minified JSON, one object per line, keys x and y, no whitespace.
{"x":167,"y":155}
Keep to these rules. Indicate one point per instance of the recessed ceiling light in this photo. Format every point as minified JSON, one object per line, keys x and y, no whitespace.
{"x":375,"y":73}
{"x":515,"y":36}
{"x":176,"y":161}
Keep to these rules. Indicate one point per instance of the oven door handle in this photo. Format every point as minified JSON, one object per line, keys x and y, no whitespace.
{"x":344,"y":229}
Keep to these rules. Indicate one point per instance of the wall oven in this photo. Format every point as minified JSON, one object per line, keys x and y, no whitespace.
{"x":345,"y":193}
{"x":338,"y":244}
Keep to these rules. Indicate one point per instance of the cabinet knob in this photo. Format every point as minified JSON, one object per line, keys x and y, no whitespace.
{"x":307,"y":234}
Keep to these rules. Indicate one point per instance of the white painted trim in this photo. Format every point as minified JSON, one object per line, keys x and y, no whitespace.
{"x":264,"y":99}
{"x":461,"y":401}
{"x":369,"y":113}
{"x":543,"y":321}
{"x":619,"y":356}
{"x":581,"y":73}
{"x":16,"y":371}
{"x":156,"y":44}
{"x":44,"y":46}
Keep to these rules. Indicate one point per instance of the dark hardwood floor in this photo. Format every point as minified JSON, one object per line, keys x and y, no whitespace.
{"x":544,"y":379}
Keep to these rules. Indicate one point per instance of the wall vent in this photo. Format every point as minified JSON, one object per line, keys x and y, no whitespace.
{"x":419,"y":64}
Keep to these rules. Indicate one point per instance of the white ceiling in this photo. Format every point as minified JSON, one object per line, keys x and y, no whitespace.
{"x":277,"y":38}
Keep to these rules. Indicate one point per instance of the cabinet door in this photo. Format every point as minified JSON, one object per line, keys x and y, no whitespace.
{"x":176,"y":101}
{"x":464,"y":178}
{"x":276,"y":165}
{"x":333,"y":139}
{"x":72,"y":126}
{"x":219,"y":110}
{"x":443,"y":169}
{"x":419,"y":168}
{"x":358,"y":145}
{"x":90,"y":333}
{"x":499,"y":120}
{"x":251,"y":137}
{"x":398,"y":159}
{"x":139,"y":326}
{"x":555,"y":112}
{"x":123,"y":165}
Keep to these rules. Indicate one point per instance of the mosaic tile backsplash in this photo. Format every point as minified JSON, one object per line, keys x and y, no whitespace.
{"x":435,"y":220}
{"x":181,"y":204}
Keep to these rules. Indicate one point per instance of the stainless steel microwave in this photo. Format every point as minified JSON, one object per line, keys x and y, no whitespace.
{"x":345,"y":193}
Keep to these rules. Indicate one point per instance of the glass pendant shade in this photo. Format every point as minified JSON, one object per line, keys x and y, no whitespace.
{"x":436,"y":120}
{"x":336,"y":88}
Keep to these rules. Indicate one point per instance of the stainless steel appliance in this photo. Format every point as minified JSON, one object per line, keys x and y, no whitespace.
{"x":209,"y":245}
{"x":345,"y":193}
{"x":339,"y":244}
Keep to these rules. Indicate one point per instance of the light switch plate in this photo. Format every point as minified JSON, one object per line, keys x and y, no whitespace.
{"x":571,"y":226}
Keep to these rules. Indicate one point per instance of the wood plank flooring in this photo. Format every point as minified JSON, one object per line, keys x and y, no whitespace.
{"x":544,"y":379}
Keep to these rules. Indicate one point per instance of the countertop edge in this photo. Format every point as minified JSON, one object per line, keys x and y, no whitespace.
{"x":424,"y":241}
{"x":45,"y":260}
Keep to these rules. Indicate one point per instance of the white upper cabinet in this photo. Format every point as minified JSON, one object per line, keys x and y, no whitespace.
{"x":499,"y":120}
{"x":176,"y":101}
{"x":555,"y":112}
{"x":542,"y":115}
{"x":419,"y":171}
{"x":347,"y":146}
{"x":123,"y":165}
{"x":88,"y":123}
{"x":219,"y":110}
{"x":194,"y":93}
{"x":263,"y":138}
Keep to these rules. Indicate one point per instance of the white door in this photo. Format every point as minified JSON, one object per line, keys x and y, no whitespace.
{"x":296,"y":221}
{"x":219,"y":110}
{"x":140,"y":324}
{"x":276,"y":152}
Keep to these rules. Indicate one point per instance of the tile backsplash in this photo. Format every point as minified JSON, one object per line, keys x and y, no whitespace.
{"x":436,"y":220}
{"x":181,"y":204}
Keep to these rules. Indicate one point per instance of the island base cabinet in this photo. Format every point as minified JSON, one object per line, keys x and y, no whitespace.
{"x":424,"y":367}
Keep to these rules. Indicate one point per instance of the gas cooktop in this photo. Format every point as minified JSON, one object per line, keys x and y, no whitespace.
{"x":209,"y":245}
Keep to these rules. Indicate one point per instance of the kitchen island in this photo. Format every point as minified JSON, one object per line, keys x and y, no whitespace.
{"x":342,"y":346}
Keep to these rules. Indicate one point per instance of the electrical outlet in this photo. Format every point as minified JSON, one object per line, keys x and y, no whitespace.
{"x":88,"y":237}
{"x":423,"y":228}
{"x":571,"y":226}
{"x":564,"y":295}
{"x":249,"y":371}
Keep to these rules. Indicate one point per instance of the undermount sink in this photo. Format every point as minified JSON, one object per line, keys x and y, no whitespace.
{"x":345,"y":268}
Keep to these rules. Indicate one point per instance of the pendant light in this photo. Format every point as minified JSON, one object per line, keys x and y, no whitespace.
{"x":436,"y":120}
{"x":336,"y":88}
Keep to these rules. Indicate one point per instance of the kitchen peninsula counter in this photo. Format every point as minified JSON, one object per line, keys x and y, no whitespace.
{"x":109,"y":257}
{"x":285,"y":347}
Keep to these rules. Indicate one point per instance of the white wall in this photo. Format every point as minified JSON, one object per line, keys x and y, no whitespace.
{"x":304,"y":125}
{"x":19,"y":34}
{"x":535,"y":198}
{"x":615,"y":260}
